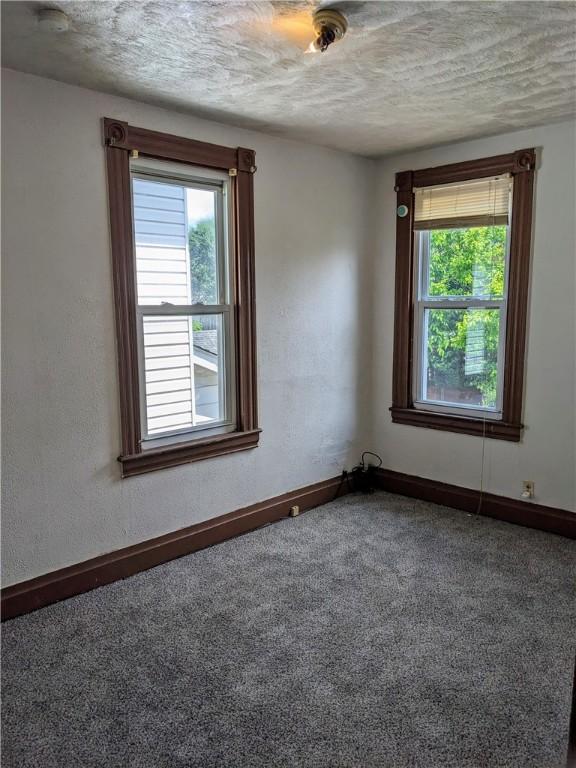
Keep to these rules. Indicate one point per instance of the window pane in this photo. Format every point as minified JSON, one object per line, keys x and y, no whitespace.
{"x":202,"y":245}
{"x":183,"y":372}
{"x":467,"y":262}
{"x":461,"y":356}
{"x":175,"y":240}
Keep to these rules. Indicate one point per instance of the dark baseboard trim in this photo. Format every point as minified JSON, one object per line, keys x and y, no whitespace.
{"x":66,"y":582}
{"x":104,"y":569}
{"x":525,"y":513}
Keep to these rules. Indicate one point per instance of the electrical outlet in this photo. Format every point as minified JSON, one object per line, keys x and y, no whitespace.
{"x":294,"y":511}
{"x":527,"y":489}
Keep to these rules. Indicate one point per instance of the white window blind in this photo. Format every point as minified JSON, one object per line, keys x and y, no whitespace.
{"x":477,"y":203}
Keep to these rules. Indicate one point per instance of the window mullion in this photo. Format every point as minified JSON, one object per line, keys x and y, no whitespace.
{"x":444,"y":302}
{"x":182,"y":309}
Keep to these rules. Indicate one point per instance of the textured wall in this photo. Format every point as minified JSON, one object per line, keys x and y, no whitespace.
{"x":547,"y":451}
{"x":324,"y":367}
{"x":63,"y":499}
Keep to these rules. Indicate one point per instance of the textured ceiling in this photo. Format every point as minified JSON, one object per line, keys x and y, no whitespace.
{"x":407,"y":74}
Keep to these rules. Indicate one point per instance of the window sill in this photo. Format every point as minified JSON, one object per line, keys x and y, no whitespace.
{"x":496,"y":430}
{"x":183,"y":453}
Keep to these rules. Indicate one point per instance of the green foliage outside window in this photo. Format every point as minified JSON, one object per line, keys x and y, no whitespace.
{"x":201,"y":241}
{"x":463,"y":344}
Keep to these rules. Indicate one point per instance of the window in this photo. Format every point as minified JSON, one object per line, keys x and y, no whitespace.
{"x":463,"y":248}
{"x":181,"y":216}
{"x":185,"y":324}
{"x":461,"y":257}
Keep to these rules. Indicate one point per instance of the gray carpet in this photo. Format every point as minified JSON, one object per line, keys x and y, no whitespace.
{"x":372,"y":632}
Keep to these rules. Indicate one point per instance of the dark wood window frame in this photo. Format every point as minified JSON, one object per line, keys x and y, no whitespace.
{"x":123,"y":141}
{"x":520,"y":165}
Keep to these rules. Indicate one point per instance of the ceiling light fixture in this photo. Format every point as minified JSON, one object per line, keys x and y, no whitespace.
{"x":53,"y":20}
{"x":329,"y":26}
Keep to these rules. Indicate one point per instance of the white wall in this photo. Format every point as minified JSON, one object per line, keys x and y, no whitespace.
{"x":325,"y":319}
{"x":547,"y":451}
{"x":63,"y":499}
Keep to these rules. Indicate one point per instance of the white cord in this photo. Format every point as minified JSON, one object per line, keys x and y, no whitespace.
{"x":493,"y":190}
{"x":482,"y":466}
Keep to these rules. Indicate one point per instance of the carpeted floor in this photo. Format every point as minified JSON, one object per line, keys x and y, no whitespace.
{"x":373,"y":632}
